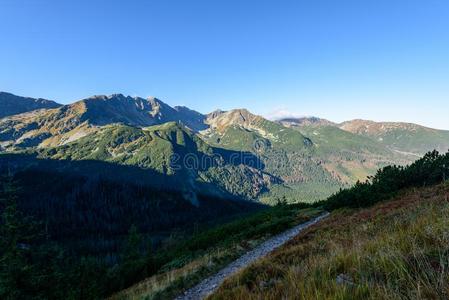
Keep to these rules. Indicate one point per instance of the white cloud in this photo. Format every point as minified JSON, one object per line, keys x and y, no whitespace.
{"x":281,"y":113}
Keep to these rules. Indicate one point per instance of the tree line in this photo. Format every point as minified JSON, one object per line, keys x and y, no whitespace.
{"x":431,"y":169}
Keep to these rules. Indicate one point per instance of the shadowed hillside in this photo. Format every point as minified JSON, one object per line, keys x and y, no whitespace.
{"x":85,"y":202}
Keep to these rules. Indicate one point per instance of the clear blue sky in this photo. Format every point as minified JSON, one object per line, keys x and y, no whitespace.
{"x":337,"y":59}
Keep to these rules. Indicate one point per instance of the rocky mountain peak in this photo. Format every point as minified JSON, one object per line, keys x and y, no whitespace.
{"x":222,"y":120}
{"x":215,"y":113}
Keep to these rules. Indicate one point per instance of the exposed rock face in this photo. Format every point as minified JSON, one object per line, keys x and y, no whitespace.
{"x":117,"y":108}
{"x":220,"y":120}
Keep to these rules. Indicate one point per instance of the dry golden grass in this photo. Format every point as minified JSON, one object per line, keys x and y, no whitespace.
{"x":398,"y":249}
{"x":151,"y":287}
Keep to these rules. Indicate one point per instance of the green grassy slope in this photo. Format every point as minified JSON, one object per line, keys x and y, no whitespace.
{"x":171,"y":150}
{"x":349,"y":156}
{"x":402,"y":137}
{"x":329,"y":139}
{"x":418,"y":141}
{"x":262,"y":131}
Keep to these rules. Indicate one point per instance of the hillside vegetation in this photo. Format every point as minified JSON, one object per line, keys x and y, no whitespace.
{"x":397,"y":249}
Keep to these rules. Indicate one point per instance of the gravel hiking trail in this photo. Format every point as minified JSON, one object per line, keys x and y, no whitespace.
{"x":210,"y":284}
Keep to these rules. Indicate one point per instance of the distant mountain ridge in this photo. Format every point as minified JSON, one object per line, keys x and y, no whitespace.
{"x":403,"y":137}
{"x":12,"y":105}
{"x":70,"y":122}
{"x":304,"y":159}
{"x":133,"y":111}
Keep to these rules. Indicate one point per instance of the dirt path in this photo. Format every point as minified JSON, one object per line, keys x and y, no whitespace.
{"x":210,"y":284}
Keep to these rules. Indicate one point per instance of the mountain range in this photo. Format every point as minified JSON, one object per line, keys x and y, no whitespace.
{"x":224,"y":153}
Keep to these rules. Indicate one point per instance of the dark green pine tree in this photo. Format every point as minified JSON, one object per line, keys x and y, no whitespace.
{"x":132,"y":266}
{"x":132,"y":247}
{"x":16,"y":233}
{"x":135,"y":265}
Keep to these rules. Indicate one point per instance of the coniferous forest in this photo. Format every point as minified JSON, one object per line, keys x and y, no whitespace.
{"x":73,"y":236}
